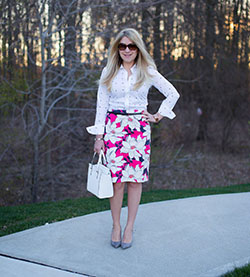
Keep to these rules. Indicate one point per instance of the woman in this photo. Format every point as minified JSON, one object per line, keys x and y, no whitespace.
{"x":122,"y":123}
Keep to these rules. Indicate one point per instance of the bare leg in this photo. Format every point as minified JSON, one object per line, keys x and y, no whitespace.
{"x":115,"y":206}
{"x":134,"y":197}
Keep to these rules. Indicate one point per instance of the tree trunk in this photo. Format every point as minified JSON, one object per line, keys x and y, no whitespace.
{"x":236,"y":22}
{"x":157,"y":42}
{"x":204,"y":101}
{"x":35,"y":169}
{"x":169,"y":35}
{"x":144,"y":22}
{"x":11,"y":55}
{"x":29,"y":41}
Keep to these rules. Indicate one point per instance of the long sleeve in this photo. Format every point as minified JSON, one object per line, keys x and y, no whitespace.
{"x":103,"y":96}
{"x":168,"y":90}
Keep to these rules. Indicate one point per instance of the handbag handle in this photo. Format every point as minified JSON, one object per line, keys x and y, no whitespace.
{"x":100,"y":159}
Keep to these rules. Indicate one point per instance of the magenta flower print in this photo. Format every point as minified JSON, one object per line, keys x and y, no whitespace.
{"x":133,"y":147}
{"x":114,"y":161}
{"x":132,"y":173}
{"x":127,"y":147}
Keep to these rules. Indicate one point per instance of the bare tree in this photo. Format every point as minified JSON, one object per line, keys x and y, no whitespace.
{"x":51,"y":56}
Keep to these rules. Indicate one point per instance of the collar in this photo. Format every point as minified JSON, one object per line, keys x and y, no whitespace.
{"x":133,"y":68}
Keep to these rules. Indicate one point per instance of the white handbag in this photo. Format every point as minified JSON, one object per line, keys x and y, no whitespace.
{"x":99,"y":178}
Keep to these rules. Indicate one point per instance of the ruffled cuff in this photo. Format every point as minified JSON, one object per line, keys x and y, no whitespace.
{"x":96,"y":129}
{"x":167,"y":113}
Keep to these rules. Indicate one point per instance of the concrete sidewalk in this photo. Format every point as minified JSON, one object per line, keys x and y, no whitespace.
{"x":199,"y":236}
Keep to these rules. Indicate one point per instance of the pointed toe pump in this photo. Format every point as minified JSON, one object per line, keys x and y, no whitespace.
{"x":116,"y":244}
{"x":125,"y":245}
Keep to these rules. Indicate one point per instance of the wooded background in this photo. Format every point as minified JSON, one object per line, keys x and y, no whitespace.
{"x":52,"y":53}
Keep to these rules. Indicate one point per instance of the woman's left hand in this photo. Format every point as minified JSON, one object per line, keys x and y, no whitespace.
{"x":152,"y":118}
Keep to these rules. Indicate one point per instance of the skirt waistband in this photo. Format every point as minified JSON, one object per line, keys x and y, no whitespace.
{"x":123,"y":112}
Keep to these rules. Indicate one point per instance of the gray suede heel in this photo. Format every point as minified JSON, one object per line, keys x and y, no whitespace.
{"x":125,"y":245}
{"x":116,"y":244}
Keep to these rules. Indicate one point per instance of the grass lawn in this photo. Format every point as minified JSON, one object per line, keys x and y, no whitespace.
{"x":18,"y":218}
{"x":239,"y":272}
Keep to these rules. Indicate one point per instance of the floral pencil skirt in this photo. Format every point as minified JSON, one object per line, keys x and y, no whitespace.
{"x":127,"y":147}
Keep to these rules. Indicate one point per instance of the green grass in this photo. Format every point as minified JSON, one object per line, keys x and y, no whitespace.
{"x":18,"y":218}
{"x":239,"y":272}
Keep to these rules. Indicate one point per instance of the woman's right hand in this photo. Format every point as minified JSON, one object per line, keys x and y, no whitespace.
{"x":99,"y":144}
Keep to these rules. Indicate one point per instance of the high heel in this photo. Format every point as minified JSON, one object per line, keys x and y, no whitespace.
{"x":116,"y":244}
{"x":125,"y":245}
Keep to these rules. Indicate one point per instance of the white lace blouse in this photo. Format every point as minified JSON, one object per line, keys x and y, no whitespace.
{"x":123,"y":96}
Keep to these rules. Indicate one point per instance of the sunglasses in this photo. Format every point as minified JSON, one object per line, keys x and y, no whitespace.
{"x":131,"y":47}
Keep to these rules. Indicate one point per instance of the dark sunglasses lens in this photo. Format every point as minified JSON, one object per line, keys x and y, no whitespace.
{"x":122,"y":46}
{"x":132,"y":47}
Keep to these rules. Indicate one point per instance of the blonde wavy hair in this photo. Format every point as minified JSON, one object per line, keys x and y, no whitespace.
{"x":143,"y":59}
